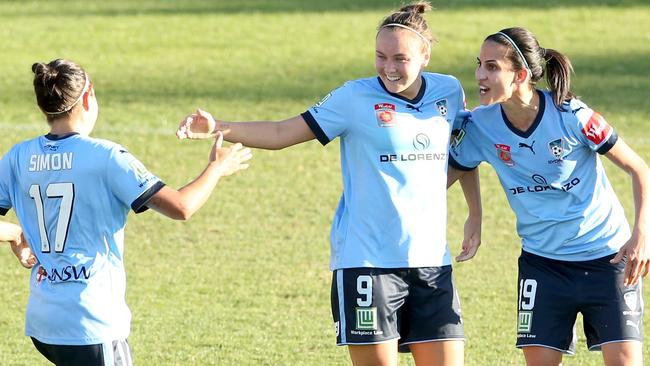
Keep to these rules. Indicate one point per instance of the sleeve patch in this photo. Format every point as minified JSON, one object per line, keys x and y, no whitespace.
{"x":596,"y":129}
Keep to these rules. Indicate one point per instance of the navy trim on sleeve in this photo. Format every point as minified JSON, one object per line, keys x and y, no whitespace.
{"x":604,"y":148}
{"x":3,"y":211}
{"x":315,"y":128}
{"x":458,"y":166}
{"x":140,"y":203}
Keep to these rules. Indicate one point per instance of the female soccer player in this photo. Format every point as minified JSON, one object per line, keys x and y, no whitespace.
{"x":72,"y":194}
{"x":578,"y":253}
{"x":13,"y":234}
{"x":391,"y":283}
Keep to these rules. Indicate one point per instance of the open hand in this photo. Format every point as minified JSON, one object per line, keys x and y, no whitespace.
{"x":23,"y":252}
{"x":637,"y":253}
{"x":230,"y":159}
{"x":196,"y":126}
{"x":471,"y":239}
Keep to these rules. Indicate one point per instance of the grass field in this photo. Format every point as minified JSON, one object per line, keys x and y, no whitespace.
{"x":246,"y":281}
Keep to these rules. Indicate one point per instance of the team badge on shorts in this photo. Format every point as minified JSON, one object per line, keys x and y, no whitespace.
{"x":385,"y":113}
{"x":442,"y":107}
{"x":524,"y":321}
{"x":366,"y":318}
{"x":557,"y":148}
{"x":632,"y":301}
{"x":503,"y":151}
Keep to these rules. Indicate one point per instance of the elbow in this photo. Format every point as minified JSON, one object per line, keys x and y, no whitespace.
{"x":184,"y":214}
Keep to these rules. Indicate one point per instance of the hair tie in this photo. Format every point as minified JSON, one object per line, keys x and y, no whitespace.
{"x":426,"y":41}
{"x":514,"y":45}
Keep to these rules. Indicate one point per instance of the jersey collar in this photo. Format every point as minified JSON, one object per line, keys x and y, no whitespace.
{"x":415,"y":100}
{"x":54,"y":137}
{"x":533,"y":127}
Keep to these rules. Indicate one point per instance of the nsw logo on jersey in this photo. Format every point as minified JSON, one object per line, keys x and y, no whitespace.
{"x":503,"y":152}
{"x":442,"y":107}
{"x":385,"y":113}
{"x":596,"y":129}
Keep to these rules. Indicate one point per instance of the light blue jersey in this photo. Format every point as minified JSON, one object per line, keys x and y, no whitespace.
{"x":72,"y":196}
{"x":552,"y":176}
{"x":394,"y":151}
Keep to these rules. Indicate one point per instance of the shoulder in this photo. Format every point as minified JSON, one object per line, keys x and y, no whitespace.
{"x":369,"y":83}
{"x":21,"y":147}
{"x":485,"y":113}
{"x":433,"y":78}
{"x":575,"y":109}
{"x":102,"y":147}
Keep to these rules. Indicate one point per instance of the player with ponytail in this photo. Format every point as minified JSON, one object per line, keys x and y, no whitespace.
{"x":578,"y":252}
{"x":392,"y":282}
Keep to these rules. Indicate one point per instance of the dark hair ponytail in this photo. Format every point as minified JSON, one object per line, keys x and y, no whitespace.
{"x":411,"y":16}
{"x":558,"y":75}
{"x":539,"y":61}
{"x":58,"y":85}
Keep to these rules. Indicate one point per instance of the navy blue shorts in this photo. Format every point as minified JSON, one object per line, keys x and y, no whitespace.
{"x":116,"y":353}
{"x":414,"y":305}
{"x":553,"y":292}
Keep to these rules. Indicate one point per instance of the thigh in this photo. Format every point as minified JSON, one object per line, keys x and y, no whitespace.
{"x":542,"y":356}
{"x":612,"y":312}
{"x":442,"y":353}
{"x":381,"y":354}
{"x":546,"y":308}
{"x":623,"y":354}
{"x":432,"y":310}
{"x":365,"y":304}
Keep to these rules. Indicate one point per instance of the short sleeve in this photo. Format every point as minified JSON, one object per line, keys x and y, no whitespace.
{"x":130,"y":181}
{"x":330,"y":117}
{"x":463,"y":152}
{"x":6,"y":177}
{"x":590,"y":127}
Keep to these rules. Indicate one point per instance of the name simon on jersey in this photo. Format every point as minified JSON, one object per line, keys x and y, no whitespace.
{"x":57,"y":161}
{"x":542,"y":188}
{"x":384,"y":158}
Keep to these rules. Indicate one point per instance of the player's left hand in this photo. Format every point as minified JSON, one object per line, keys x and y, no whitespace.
{"x":23,"y":252}
{"x":637,"y":253}
{"x":471,"y":239}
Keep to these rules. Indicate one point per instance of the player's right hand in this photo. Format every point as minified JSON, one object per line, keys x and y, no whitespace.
{"x":196,"y":126}
{"x":23,"y":252}
{"x":230,"y":159}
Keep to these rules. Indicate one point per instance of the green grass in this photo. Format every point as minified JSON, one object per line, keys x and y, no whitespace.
{"x":246,"y":281}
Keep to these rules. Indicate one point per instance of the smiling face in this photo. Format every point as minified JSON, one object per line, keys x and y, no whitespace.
{"x":400,"y":57}
{"x":497,"y":79}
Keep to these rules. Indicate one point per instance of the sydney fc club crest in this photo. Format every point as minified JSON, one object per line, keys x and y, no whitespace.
{"x":503,"y":152}
{"x":557,"y":148}
{"x":442,"y":107}
{"x":385,"y":113}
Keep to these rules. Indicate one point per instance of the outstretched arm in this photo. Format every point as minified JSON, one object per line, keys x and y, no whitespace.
{"x":637,"y":249}
{"x":263,"y":134}
{"x":183,"y":203}
{"x":469,"y":181}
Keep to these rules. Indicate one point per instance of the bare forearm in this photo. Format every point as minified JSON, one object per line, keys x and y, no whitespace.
{"x":470,"y":183}
{"x":182,"y":204}
{"x":641,"y":193}
{"x":266,"y":134}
